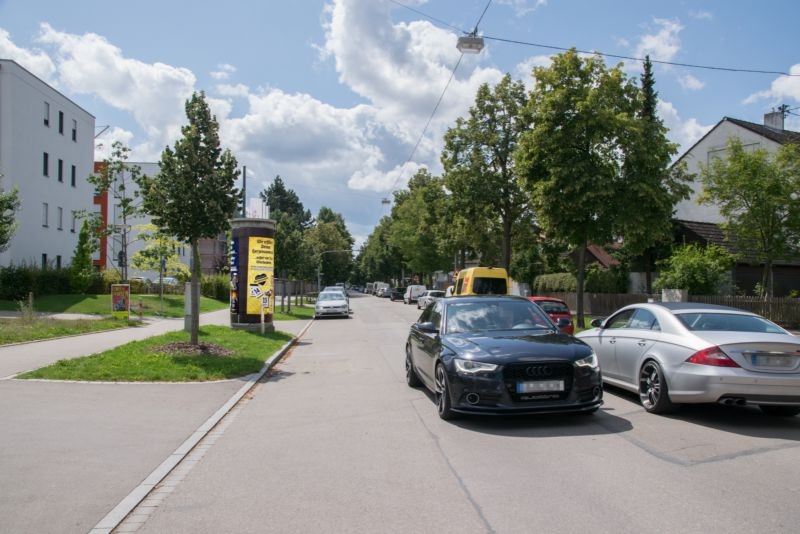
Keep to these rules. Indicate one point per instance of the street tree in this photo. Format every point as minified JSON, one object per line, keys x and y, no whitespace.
{"x":194,"y":195}
{"x":159,"y":247}
{"x":571,"y":159}
{"x":651,"y":186}
{"x":9,"y":204}
{"x":379,"y":259}
{"x":757,"y":194}
{"x":283,"y":200}
{"x":479,"y":164}
{"x":117,"y":177}
{"x":331,"y":244}
{"x":701,"y":270}
{"x":81,"y":268}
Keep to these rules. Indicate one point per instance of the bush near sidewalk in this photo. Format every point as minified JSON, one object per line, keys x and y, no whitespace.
{"x":230,"y":354}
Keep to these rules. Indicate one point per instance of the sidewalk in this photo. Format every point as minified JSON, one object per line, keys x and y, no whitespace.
{"x":26,"y":357}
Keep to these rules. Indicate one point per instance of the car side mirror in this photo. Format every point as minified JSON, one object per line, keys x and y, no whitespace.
{"x":562,"y":322}
{"x":598,"y":323}
{"x":427,"y":328}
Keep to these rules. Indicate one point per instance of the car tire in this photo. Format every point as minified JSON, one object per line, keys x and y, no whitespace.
{"x":412,"y":379}
{"x":443,"y":403}
{"x":780,"y":411}
{"x":653,"y":389}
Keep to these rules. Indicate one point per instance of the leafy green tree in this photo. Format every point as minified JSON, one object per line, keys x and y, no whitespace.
{"x":117,"y":178}
{"x":572,"y":158}
{"x":9,"y":204}
{"x":651,"y":187}
{"x":757,"y":194}
{"x":283,"y":200}
{"x":701,"y":270}
{"x":331,"y":244}
{"x":479,"y":163}
{"x":81,"y":269}
{"x":159,"y":246}
{"x":416,"y":218}
{"x":378,"y":258}
{"x":193,"y":196}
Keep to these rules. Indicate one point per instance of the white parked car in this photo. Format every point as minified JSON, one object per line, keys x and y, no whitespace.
{"x":428,"y":298}
{"x":412,"y":293}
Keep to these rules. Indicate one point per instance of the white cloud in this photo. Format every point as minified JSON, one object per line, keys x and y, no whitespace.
{"x":664,"y":44}
{"x":239,"y":90}
{"x":523,"y":7}
{"x":524,"y":70}
{"x":782,"y":89}
{"x":153,"y":93}
{"x":701,"y":15}
{"x":373,"y":179}
{"x":36,"y":61}
{"x":688,"y":81}
{"x":684,"y":132}
{"x":224,"y":71}
{"x":104,"y":141}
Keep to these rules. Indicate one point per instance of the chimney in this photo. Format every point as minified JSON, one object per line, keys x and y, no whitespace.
{"x":774,"y":119}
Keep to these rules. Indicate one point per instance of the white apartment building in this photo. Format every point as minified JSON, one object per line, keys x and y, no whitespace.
{"x":47,"y":152}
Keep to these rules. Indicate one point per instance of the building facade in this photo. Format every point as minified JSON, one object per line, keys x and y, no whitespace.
{"x":47,"y":152}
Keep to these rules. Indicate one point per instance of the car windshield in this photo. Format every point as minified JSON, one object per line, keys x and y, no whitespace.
{"x":435,"y":293}
{"x":550,"y":306}
{"x":488,"y":316}
{"x":330,"y":296}
{"x":489,"y":286}
{"x":728,"y":322}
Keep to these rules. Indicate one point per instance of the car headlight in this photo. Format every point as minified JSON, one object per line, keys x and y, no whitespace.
{"x":469,"y":367}
{"x":589,"y":361}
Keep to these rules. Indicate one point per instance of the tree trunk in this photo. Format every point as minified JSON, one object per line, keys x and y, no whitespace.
{"x":195,"y":291}
{"x":507,"y":243}
{"x":581,"y":276}
{"x":648,"y":276}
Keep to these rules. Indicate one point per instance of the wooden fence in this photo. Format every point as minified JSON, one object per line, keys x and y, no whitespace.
{"x":783,"y":311}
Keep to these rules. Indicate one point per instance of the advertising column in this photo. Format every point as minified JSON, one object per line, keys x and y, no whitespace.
{"x":252,"y":263}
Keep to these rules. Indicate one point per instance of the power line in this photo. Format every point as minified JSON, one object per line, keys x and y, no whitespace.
{"x":595,"y":52}
{"x":661,"y":62}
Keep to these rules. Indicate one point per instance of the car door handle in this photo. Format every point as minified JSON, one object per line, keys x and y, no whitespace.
{"x":641,"y":343}
{"x":612,"y":341}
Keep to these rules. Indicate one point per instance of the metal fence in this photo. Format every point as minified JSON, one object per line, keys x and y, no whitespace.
{"x":783,"y":311}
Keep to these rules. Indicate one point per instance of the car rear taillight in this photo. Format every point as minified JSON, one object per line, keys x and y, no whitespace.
{"x":712,"y":356}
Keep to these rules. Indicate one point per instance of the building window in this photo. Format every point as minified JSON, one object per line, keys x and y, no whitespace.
{"x":46,"y":164}
{"x":72,"y":178}
{"x":58,"y":261}
{"x":47,"y":114}
{"x":74,"y":219}
{"x":74,"y":130}
{"x":61,"y":122}
{"x":44,"y":261}
{"x":44,"y":214}
{"x":60,"y":218}
{"x":61,"y":170}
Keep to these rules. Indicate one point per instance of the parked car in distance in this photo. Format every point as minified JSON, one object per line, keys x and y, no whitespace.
{"x":499,"y":354}
{"x":396,"y":293}
{"x":684,"y":352}
{"x":413,"y":292}
{"x":427,"y":298}
{"x":331,"y":303}
{"x":169,"y":281}
{"x":380,"y":288}
{"x":558,"y":311}
{"x":368,"y":288}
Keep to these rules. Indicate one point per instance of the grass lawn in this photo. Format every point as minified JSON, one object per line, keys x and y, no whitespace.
{"x":298,"y":312}
{"x":15,"y":331}
{"x":101,"y":304}
{"x":149,"y":360}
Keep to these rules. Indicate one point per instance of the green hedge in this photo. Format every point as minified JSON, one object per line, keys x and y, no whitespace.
{"x":555,"y":283}
{"x":217,"y":286}
{"x":598,"y":280}
{"x":16,"y":281}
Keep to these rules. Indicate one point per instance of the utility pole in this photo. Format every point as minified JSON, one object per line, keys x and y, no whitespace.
{"x":244,"y":191}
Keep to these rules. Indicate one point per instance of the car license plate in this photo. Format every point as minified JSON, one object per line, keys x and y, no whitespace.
{"x":540,"y":386}
{"x":770,"y":360}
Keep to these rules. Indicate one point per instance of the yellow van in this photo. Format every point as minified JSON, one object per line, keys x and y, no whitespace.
{"x":482,"y":281}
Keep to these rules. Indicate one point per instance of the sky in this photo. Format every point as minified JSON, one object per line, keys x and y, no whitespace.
{"x":334,"y":95}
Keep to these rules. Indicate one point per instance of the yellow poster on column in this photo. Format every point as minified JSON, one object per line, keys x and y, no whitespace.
{"x":260,"y":273}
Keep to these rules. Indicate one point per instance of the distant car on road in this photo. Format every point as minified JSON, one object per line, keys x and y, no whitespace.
{"x":397,"y":293}
{"x":558,"y":311}
{"x":331,"y":303}
{"x":499,"y":354}
{"x":427,"y":298}
{"x":684,"y":352}
{"x":412,"y":293}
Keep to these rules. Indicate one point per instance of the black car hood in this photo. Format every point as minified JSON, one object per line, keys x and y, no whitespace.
{"x":514,"y":346}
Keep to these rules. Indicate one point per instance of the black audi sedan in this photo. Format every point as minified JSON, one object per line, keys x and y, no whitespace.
{"x":500,"y":354}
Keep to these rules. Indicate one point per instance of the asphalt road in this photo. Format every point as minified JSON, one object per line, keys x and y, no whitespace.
{"x":334,"y":441}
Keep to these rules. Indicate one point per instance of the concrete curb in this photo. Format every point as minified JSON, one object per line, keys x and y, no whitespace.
{"x":129,"y":503}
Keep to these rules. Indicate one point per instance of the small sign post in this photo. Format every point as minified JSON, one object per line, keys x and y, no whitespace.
{"x":121,"y":301}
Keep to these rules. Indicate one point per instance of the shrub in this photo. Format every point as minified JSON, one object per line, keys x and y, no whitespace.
{"x":16,"y":281}
{"x":602,"y":280}
{"x":555,"y":283}
{"x":701,"y":270}
{"x":216,"y":286}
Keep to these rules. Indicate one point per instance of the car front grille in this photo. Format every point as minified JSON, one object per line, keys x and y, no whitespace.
{"x":534,"y":371}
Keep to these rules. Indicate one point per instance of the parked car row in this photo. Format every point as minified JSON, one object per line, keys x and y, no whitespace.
{"x":504,"y":354}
